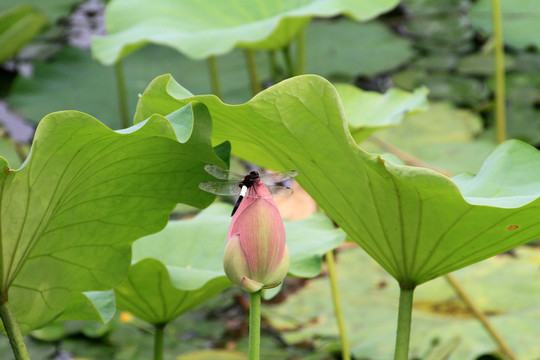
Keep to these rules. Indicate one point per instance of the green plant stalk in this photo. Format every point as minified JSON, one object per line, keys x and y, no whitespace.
{"x":274,"y":67}
{"x":214,"y":76}
{"x":13,"y":331}
{"x":254,"y":325}
{"x":301,"y":52}
{"x":403,"y":333}
{"x":345,"y":348}
{"x":288,"y":60}
{"x":500,"y":96}
{"x":121,"y":91}
{"x":158,"y":341}
{"x":252,"y":69}
{"x":503,"y":347}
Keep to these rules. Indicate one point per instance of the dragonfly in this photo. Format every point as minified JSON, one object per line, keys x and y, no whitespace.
{"x":239,"y":184}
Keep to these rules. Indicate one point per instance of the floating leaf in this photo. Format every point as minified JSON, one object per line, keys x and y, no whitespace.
{"x":443,"y":136}
{"x":520,"y":20}
{"x":56,"y":85}
{"x":367,"y":111}
{"x":201,"y":29}
{"x":355,"y":49}
{"x":505,"y":287}
{"x":213,"y":355}
{"x":412,"y":221}
{"x":83,"y":196}
{"x":54,"y":9}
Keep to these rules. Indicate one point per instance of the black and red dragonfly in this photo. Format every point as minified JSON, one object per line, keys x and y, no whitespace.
{"x":239,"y":184}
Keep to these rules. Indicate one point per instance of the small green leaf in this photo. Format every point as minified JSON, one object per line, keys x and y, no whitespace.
{"x":413,"y":221}
{"x":85,"y":193}
{"x":199,"y":29}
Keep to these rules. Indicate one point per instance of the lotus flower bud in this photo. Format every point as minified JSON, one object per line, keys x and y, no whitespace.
{"x":256,"y":256}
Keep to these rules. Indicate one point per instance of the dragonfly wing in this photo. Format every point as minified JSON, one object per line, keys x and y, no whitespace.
{"x":278,"y":177}
{"x":278,"y":191}
{"x":220,"y":187}
{"x":220,"y":173}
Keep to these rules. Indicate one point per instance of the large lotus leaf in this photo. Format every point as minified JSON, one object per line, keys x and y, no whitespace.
{"x":213,"y":355}
{"x":443,"y":136}
{"x":412,"y":221}
{"x":366,"y":49}
{"x":368,"y":111}
{"x":18,"y":26}
{"x":505,"y":287}
{"x":71,"y":212}
{"x":520,"y":20}
{"x":200,"y":29}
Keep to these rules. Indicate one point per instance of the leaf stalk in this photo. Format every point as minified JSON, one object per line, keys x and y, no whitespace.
{"x":214,"y":76}
{"x":12,"y":330}
{"x":503,"y":347}
{"x":332,"y":273}
{"x":404,"y":323}
{"x":252,"y":69}
{"x":121,"y":91}
{"x":158,"y":341}
{"x":500,"y":96}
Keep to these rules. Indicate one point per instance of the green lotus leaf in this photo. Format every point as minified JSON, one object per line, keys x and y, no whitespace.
{"x":71,"y":212}
{"x":18,"y":26}
{"x":413,"y":221}
{"x":504,"y":287}
{"x":201,"y":29}
{"x":368,"y":111}
{"x":519,"y":17}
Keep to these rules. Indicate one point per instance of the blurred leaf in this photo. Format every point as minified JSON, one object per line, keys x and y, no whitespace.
{"x":200,"y":29}
{"x":213,"y":355}
{"x":506,"y":288}
{"x":82,"y":197}
{"x":413,"y":221}
{"x":54,"y":9}
{"x":74,"y":81}
{"x":523,"y":109}
{"x":520,"y":21}
{"x":18,"y":27}
{"x":443,"y":136}
{"x":8,"y":152}
{"x":439,"y":26}
{"x":367,"y":111}
{"x":366,"y":49}
{"x":483,"y":64}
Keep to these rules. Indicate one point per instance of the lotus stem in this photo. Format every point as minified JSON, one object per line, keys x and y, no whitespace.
{"x":253,"y":74}
{"x":500,"y":97}
{"x":345,"y":348}
{"x":214,"y":76}
{"x":12,"y":330}
{"x":254,"y":325}
{"x":274,"y":67}
{"x":158,"y":341}
{"x":301,"y":52}
{"x":503,"y":347}
{"x":404,"y":323}
{"x":288,"y":60}
{"x":121,"y":91}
